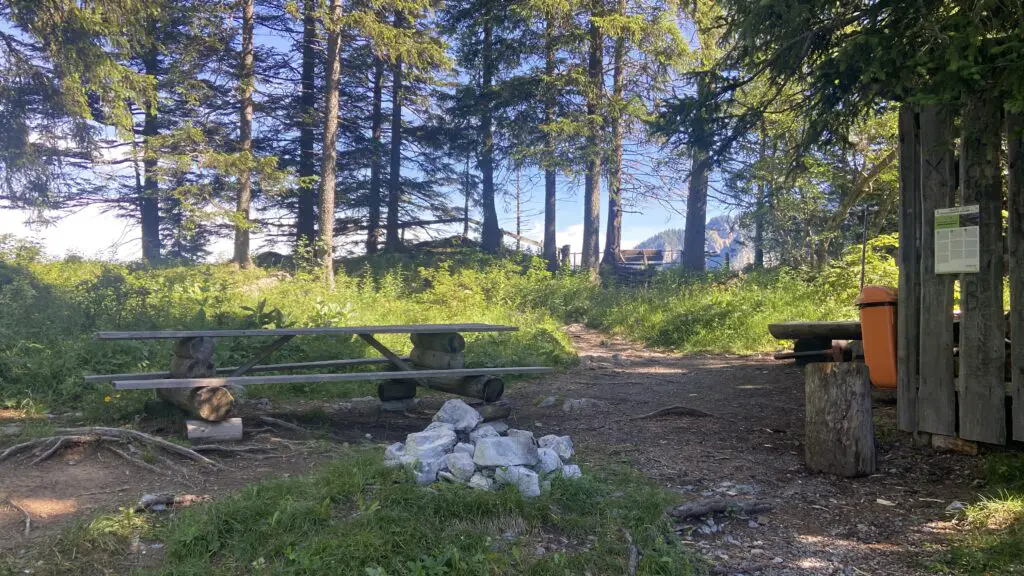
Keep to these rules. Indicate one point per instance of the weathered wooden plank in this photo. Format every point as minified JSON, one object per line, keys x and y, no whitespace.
{"x":908,"y":312}
{"x":936,"y":395}
{"x":1015,"y":147}
{"x":316,"y":365}
{"x":982,"y":343}
{"x":833,"y":330}
{"x":334,"y":331}
{"x":839,"y":434}
{"x":320,"y":378}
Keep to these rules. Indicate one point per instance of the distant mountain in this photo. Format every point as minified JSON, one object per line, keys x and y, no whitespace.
{"x":724,"y":241}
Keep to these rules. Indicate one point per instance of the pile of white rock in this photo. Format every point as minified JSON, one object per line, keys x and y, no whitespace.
{"x":459,"y":447}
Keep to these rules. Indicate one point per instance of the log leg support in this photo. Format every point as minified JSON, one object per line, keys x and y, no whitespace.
{"x":839,"y":433}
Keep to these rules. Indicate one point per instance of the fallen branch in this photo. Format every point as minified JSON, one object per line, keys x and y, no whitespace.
{"x":28,"y":518}
{"x":132,"y":459}
{"x":673,"y":410}
{"x":283,"y":424}
{"x":160,"y":502}
{"x":720,"y":506}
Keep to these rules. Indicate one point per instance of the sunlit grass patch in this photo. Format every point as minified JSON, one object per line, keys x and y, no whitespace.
{"x":993,"y":537}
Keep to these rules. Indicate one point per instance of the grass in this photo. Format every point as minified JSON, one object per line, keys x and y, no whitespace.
{"x":993,"y":542}
{"x":52,"y":308}
{"x":357,"y":517}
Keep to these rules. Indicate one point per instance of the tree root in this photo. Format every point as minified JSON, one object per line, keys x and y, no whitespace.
{"x":283,"y":424}
{"x":28,"y":517}
{"x":106,"y":437}
{"x":677,"y":409}
{"x":719,"y":506}
{"x":132,"y":459}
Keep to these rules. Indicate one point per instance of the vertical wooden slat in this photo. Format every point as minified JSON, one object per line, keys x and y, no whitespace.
{"x":982,"y":346}
{"x":907,"y":321}
{"x":1015,"y":146}
{"x":936,"y":393}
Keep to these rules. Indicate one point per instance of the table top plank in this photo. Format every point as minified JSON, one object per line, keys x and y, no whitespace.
{"x":321,"y":378}
{"x":332,"y":331}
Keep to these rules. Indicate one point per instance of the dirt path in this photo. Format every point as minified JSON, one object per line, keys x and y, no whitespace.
{"x":752,"y":447}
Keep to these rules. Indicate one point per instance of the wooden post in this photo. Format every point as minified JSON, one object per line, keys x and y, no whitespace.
{"x":982,"y":345}
{"x":1015,"y":147}
{"x":839,"y":435}
{"x":908,"y":311}
{"x":936,"y":392}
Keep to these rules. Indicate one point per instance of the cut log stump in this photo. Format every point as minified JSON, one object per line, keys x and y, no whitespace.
{"x":212,"y":404}
{"x":839,"y":432}
{"x":450,"y":342}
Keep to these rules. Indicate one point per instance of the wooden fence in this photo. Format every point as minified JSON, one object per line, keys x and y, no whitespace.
{"x":977,"y":395}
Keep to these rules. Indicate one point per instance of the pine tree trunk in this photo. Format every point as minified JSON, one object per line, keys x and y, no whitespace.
{"x":149,"y":203}
{"x":613,"y":234}
{"x":550,"y":183}
{"x":330,"y":153}
{"x":466,"y":193}
{"x":244,"y":200}
{"x":392,"y":240}
{"x":305,"y":223}
{"x":759,"y":227}
{"x":694,"y":241}
{"x":490,"y":234}
{"x":592,"y":185}
{"x":376,"y":120}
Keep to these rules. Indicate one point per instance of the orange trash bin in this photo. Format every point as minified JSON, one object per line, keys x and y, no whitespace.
{"x":877,"y":306}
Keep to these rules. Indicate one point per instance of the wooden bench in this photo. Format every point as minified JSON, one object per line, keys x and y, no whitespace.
{"x":196,"y":385}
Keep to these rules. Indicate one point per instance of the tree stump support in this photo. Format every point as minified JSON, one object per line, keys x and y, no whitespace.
{"x":839,"y":433}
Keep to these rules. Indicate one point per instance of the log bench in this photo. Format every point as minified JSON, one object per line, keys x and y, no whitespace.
{"x":196,"y":385}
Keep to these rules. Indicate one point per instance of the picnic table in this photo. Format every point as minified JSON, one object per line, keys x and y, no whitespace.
{"x":436,"y":362}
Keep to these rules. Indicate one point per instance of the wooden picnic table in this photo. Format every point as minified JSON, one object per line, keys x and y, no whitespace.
{"x":436,"y":362}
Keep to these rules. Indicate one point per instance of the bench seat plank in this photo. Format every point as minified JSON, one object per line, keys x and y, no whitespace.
{"x":315,"y":378}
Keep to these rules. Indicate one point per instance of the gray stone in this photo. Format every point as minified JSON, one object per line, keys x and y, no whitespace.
{"x":464,"y":448}
{"x":571,"y":471}
{"x":525,"y":480}
{"x":447,"y":477}
{"x":549,"y":461}
{"x":459,"y":414}
{"x":499,"y":426}
{"x":461,"y":466}
{"x":430,"y":444}
{"x":512,"y":433}
{"x":425,"y":470}
{"x":439,"y":426}
{"x":484,"y":431}
{"x":580,"y":405}
{"x":505,"y":451}
{"x":481,"y":482}
{"x":11,"y":430}
{"x":393,"y":455}
{"x":562,"y":445}
{"x":548,"y":402}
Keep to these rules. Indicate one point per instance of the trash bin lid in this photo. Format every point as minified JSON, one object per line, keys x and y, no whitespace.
{"x":875,"y":295}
